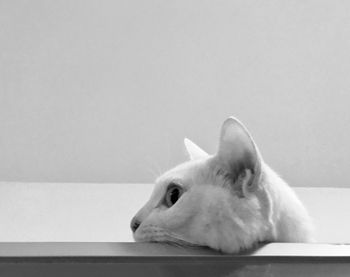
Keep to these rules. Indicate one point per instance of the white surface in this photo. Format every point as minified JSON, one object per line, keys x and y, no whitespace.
{"x":105,"y":91}
{"x":102,"y":212}
{"x":69,"y":211}
{"x":303,"y":250}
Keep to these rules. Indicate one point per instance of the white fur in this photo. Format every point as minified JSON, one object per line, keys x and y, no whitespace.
{"x":210,"y":213}
{"x":194,"y":151}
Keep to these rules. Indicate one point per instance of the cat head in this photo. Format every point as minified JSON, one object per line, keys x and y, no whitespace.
{"x":210,"y":200}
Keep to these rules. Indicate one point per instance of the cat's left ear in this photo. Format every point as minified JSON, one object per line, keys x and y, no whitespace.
{"x":194,"y":151}
{"x":238,"y":156}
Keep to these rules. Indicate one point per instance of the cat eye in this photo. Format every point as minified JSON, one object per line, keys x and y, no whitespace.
{"x":173,"y":194}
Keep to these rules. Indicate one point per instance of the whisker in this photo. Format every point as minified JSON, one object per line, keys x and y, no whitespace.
{"x":153,"y":167}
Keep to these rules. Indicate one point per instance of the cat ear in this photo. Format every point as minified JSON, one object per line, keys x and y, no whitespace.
{"x":193,"y":150}
{"x":239,"y":156}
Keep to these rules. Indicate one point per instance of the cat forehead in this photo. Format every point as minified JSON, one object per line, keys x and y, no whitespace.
{"x":185,"y":173}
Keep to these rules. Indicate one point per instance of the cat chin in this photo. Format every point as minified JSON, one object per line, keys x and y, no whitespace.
{"x":237,"y":246}
{"x":232,"y":245}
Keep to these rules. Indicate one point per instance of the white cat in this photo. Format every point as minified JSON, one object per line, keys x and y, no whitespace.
{"x":228,"y":201}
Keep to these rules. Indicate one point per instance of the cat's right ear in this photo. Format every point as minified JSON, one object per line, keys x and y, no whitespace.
{"x":239,"y":156}
{"x":194,"y":151}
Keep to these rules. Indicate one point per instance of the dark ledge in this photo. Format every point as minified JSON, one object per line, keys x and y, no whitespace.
{"x":155,"y":259}
{"x":117,"y":252}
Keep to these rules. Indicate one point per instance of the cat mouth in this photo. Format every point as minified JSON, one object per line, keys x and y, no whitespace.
{"x":167,"y":238}
{"x":178,"y":242}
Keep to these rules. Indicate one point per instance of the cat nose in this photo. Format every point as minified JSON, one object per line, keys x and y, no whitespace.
{"x":135,"y":223}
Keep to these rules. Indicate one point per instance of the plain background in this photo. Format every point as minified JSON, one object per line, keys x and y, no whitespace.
{"x":105,"y":91}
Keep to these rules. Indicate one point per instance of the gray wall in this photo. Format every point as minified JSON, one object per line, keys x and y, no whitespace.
{"x":105,"y":91}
